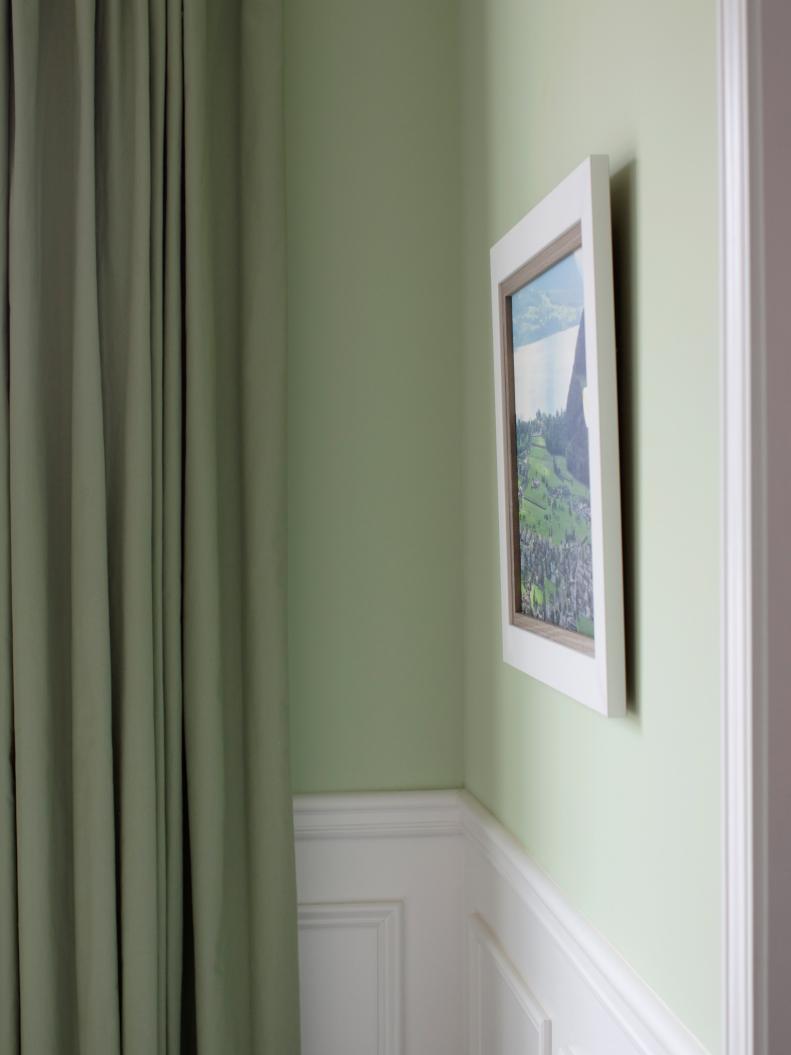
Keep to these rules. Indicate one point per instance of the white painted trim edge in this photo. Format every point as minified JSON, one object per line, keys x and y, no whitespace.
{"x":376,"y":815}
{"x":738,"y":494}
{"x":635,"y":1006}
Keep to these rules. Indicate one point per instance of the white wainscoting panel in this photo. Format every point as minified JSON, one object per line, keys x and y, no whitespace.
{"x":425,"y":929}
{"x":503,"y":1015}
{"x":356,"y":1010}
{"x":359,"y":854}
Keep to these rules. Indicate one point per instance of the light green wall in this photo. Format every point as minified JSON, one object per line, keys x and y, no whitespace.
{"x":375,"y":594}
{"x":624,"y":815}
{"x":418,"y":132}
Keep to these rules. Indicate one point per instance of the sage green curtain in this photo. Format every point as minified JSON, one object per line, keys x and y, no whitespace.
{"x":146,"y":856}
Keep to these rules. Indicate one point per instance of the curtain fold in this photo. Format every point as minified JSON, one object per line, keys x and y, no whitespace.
{"x":147,"y":897}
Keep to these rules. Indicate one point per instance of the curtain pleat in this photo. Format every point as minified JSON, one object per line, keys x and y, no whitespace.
{"x":9,"y":951}
{"x":146,"y":877}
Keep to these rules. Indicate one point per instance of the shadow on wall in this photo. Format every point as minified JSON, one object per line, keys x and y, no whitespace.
{"x":623,"y":197}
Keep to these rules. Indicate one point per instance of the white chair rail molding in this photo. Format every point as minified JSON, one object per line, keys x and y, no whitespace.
{"x":425,"y":929}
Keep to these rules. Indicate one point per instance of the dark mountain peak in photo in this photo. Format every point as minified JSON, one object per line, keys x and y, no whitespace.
{"x":576,"y":429}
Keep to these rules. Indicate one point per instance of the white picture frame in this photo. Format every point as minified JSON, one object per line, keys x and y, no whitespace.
{"x":551,"y":629}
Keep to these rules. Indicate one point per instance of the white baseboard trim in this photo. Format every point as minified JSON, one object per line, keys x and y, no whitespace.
{"x":481,"y":923}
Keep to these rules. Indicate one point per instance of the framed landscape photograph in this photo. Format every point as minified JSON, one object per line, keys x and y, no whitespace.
{"x":557,"y":443}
